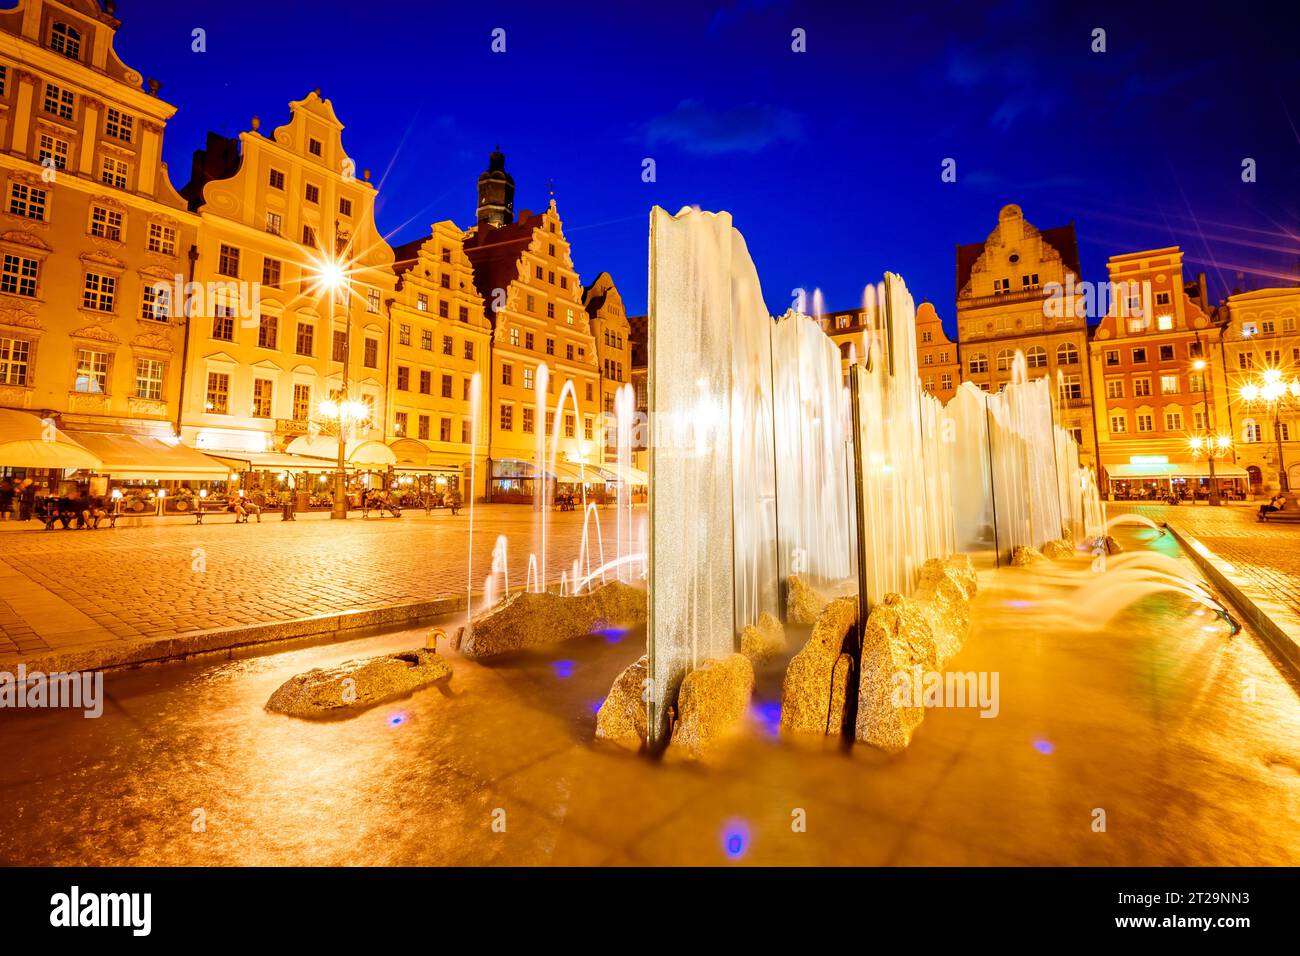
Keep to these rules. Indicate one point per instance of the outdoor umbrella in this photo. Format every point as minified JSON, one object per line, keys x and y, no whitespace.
{"x":29,"y":441}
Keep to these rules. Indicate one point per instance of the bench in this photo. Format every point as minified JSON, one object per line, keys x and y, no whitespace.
{"x":1290,"y":511}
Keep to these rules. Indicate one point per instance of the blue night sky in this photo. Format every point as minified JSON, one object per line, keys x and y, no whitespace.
{"x":829,"y":160}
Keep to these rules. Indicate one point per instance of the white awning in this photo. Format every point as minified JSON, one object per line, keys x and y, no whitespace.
{"x":271,"y":461}
{"x":144,"y":458}
{"x":1173,"y":470}
{"x":29,"y":441}
{"x":358,"y":452}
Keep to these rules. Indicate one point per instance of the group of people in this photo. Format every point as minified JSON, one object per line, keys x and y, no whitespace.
{"x":81,"y":509}
{"x":1276,"y":503}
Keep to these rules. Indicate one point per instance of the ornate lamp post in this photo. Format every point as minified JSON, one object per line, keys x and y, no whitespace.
{"x":1274,"y":392}
{"x":344,"y":416}
{"x":1213,"y":448}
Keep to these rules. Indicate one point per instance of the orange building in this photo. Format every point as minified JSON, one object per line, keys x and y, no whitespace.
{"x":610,"y":329}
{"x":1161,"y":399}
{"x":532,"y":295}
{"x":936,"y":355}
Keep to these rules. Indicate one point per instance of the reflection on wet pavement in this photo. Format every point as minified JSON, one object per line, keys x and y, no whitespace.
{"x":1186,"y":740}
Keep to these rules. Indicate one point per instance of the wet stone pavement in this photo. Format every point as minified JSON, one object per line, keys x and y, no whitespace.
{"x":1186,"y":739}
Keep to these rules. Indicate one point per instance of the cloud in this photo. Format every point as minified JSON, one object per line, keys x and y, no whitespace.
{"x":741,"y":129}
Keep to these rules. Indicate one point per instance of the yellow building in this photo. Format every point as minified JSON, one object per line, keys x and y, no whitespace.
{"x":1016,"y":292}
{"x":936,"y":355}
{"x":532,"y":295}
{"x":440,"y":339}
{"x":92,"y":232}
{"x":610,"y":329}
{"x":269,"y":341}
{"x":1261,"y":342}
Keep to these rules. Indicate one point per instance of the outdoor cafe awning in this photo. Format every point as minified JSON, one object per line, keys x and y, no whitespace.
{"x":1128,"y":472}
{"x":28,"y":441}
{"x":146,"y":458}
{"x":272,"y":461}
{"x":373,"y":453}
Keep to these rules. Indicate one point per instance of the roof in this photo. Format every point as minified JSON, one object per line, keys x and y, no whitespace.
{"x":1060,"y":238}
{"x":495,"y":253}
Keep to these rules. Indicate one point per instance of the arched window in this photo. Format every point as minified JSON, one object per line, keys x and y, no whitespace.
{"x":1005,"y":358}
{"x":1249,"y":430}
{"x":66,"y":40}
{"x":979,"y":363}
{"x":1067,"y":354}
{"x":1037,"y":357}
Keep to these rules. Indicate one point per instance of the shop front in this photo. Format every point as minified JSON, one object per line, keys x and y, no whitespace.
{"x":1155,"y":478}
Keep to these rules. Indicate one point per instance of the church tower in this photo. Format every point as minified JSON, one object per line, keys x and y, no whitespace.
{"x":496,"y":192}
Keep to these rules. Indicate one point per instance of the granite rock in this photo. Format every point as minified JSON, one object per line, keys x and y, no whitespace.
{"x":1023,"y":555}
{"x":804,"y":603}
{"x":531,"y":619}
{"x":807,"y":694}
{"x":354,"y":686}
{"x":762,"y":641}
{"x":711,"y":705}
{"x":622,"y":717}
{"x":1055,"y":550}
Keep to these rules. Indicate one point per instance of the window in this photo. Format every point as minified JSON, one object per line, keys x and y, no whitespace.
{"x":1196,"y":382}
{"x":66,"y":40}
{"x":507,"y":417}
{"x":345,"y":206}
{"x":448,"y":345}
{"x":274,"y":223}
{"x":339,"y":348}
{"x":262,"y":397}
{"x":945,"y":380}
{"x":308,"y":236}
{"x":529,"y":305}
{"x":1248,"y":329}
{"x":18,"y":276}
{"x":1249,"y":430}
{"x":404,"y":334}
{"x":223,"y":321}
{"x":426,"y":382}
{"x":589,"y":391}
{"x":1067,"y":353}
{"x":305,"y":340}
{"x":465,"y":436}
{"x":118,"y":125}
{"x":1118,"y":423}
{"x":569,"y":426}
{"x":98,"y":292}
{"x":514,"y":336}
{"x":1112,"y":356}
{"x":1071,"y":388}
{"x":1115,"y":388}
{"x":444,"y":280}
{"x":463,"y":315}
{"x":58,"y":102}
{"x":1281,"y":431}
{"x":399,"y":423}
{"x":550,"y":346}
{"x":421,"y":302}
{"x":466,"y":387}
{"x":4,"y":78}
{"x":53,"y":152}
{"x":444,"y":310}
{"x":1141,"y":387}
{"x":156,"y":302}
{"x":1199,"y":420}
{"x":528,"y":378}
{"x":92,"y":372}
{"x":162,"y":239}
{"x":1077,"y":434}
{"x":113,"y":173}
{"x":314,"y":146}
{"x":1029,"y":281}
{"x":1165,"y":323}
{"x":271,"y":272}
{"x":568,"y":351}
{"x":268,"y":329}
{"x":529,"y":422}
{"x":426,"y":340}
{"x":106,"y":223}
{"x":1001,"y":285}
{"x":403,"y":378}
{"x":469,"y":350}
{"x":370,"y":353}
{"x":423,"y":428}
{"x":550,"y":311}
{"x":1162,"y":298}
{"x":301,"y":402}
{"x":372,"y":300}
{"x":1144,"y":422}
{"x":15,"y":356}
{"x":27,"y":201}
{"x":1246,"y":360}
{"x":1139,"y":356}
{"x":1166,"y":353}
{"x":312,"y":193}
{"x":1168,"y":384}
{"x":507,"y":375}
{"x":228,"y":261}
{"x":276,"y":179}
{"x":1036,"y":357}
{"x":1173,"y":421}
{"x":978,"y":363}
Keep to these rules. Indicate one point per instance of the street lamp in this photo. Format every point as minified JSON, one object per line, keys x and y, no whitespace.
{"x":1213,"y":449}
{"x":1274,"y":392}
{"x":345,"y":415}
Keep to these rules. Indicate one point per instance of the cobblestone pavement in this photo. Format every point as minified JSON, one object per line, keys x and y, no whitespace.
{"x":165,"y":576}
{"x":1265,"y":553}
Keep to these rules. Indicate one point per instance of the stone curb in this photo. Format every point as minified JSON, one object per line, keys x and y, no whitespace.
{"x":1274,"y":620}
{"x":180,"y":646}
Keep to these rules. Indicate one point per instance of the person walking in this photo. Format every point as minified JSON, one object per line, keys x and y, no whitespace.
{"x":6,"y":499}
{"x":27,"y":500}
{"x":454,"y":501}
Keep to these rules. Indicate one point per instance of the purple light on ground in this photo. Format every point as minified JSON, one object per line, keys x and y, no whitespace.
{"x":612,"y":635}
{"x":1020,"y":604}
{"x":563,"y":669}
{"x":768,"y":713}
{"x":397,"y":719}
{"x":596,"y":704}
{"x":735,"y":839}
{"x":1044,"y":746}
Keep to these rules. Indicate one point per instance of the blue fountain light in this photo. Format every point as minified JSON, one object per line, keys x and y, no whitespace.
{"x":1044,"y":746}
{"x":735,"y":839}
{"x":768,"y":713}
{"x":397,"y":719}
{"x":563,"y":669}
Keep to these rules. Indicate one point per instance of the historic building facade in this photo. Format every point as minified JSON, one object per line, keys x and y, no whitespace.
{"x":523,"y":270}
{"x":936,"y":355}
{"x":294,"y":279}
{"x":1016,"y":291}
{"x":94,"y":238}
{"x":1261,"y":341}
{"x":1161,"y":403}
{"x":612,"y":333}
{"x":439,"y":339}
